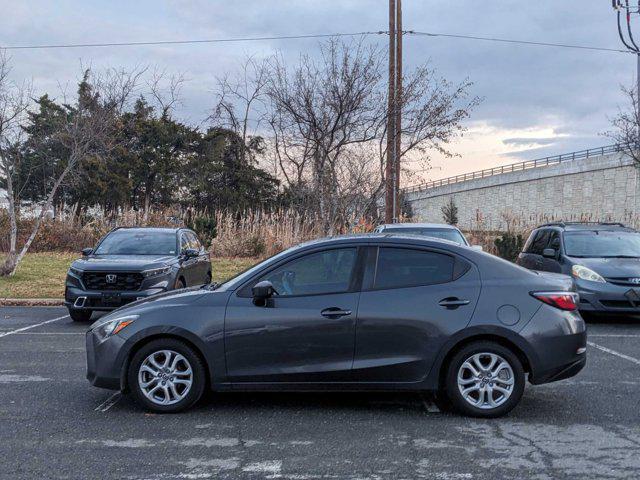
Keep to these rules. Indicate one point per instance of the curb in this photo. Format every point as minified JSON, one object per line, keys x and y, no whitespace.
{"x":31,"y":302}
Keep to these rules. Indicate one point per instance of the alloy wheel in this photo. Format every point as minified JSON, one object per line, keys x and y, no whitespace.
{"x":165,"y":377}
{"x":485,"y":380}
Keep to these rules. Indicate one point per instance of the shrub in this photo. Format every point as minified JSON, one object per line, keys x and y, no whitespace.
{"x":509,"y":245}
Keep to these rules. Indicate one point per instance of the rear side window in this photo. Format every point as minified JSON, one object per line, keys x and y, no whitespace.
{"x":402,"y":267}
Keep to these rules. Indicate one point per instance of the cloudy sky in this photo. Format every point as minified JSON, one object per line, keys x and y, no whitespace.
{"x":537,"y":100}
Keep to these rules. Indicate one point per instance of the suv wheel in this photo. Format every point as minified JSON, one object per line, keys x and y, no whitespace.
{"x":80,"y":315}
{"x":166,"y":376}
{"x":179,"y":284}
{"x":485,"y":379}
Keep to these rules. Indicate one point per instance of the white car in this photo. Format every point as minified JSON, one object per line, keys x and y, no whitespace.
{"x":434,"y":230}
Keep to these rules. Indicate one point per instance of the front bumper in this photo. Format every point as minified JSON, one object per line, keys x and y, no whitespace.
{"x":607,"y":297}
{"x":104,"y":364}
{"x":99,"y":301}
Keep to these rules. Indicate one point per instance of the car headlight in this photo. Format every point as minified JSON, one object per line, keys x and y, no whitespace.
{"x":585,"y":273}
{"x":113,"y":326}
{"x":156,"y":271}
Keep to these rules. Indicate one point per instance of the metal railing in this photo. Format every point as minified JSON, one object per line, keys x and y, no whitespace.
{"x":516,"y":167}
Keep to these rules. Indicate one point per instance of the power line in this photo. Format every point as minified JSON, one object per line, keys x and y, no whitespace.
{"x":519,"y":42}
{"x":309,"y":36}
{"x":186,"y":42}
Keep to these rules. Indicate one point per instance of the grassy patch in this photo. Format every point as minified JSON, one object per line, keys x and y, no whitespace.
{"x":41,"y":275}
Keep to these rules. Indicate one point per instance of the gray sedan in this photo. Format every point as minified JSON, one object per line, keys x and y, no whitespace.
{"x":368,"y":313}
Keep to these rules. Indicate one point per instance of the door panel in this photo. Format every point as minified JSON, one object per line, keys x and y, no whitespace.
{"x":400,"y":331}
{"x":306,"y":332}
{"x":290,"y":340}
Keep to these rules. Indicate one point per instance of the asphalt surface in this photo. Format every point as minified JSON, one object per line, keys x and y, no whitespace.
{"x":53,"y":424}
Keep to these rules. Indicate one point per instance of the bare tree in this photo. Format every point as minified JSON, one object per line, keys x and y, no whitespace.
{"x":626,"y":126}
{"x":328,"y":115}
{"x":240,"y":102}
{"x":89,"y":130}
{"x":14,"y":104}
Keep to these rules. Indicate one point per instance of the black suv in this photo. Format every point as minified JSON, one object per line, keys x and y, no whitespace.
{"x":132,"y":263}
{"x":602,"y":258}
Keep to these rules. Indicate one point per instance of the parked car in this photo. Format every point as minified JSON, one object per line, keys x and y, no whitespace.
{"x":603,"y":258}
{"x":369,"y":312}
{"x":435,"y":230}
{"x":133,"y":263}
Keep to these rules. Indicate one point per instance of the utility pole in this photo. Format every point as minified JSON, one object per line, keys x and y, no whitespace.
{"x":397,"y":211}
{"x":631,"y":45}
{"x":389,"y":200}
{"x":394,"y":114}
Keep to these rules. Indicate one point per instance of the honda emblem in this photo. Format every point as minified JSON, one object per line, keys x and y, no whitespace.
{"x":111,"y":278}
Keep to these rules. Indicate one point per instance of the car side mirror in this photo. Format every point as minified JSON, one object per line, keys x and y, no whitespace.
{"x":87,"y":251}
{"x":549,"y":253}
{"x":261,"y":292}
{"x":191,"y":253}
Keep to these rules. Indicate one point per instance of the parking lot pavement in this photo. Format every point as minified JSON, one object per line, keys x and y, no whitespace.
{"x":53,"y":424}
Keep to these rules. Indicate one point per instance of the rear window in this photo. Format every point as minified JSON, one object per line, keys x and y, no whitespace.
{"x":402,"y":267}
{"x":443,"y":233}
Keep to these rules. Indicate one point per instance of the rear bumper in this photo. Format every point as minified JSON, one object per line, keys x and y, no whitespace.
{"x":558,"y":341}
{"x":93,"y":299}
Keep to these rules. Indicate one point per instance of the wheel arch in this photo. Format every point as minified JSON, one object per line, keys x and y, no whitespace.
{"x":501,"y":336}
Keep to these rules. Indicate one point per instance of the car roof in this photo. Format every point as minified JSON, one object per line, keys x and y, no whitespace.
{"x":150,"y":229}
{"x":587,"y":226}
{"x":385,"y":237}
{"x":419,"y":225}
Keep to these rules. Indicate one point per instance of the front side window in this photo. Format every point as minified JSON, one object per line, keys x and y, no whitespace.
{"x":324,"y":272}
{"x":540,"y":242}
{"x":402,"y":267}
{"x":131,"y":242}
{"x":602,"y":244}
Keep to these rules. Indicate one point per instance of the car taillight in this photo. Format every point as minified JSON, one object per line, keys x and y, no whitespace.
{"x":561,"y":300}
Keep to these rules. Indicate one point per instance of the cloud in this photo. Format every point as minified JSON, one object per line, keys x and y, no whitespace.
{"x":525,"y":88}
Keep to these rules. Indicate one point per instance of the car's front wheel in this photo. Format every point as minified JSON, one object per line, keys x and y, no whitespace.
{"x":80,"y":315}
{"x":485,"y":379}
{"x":166,"y":376}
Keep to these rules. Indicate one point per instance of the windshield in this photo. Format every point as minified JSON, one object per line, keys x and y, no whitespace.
{"x":444,"y":233}
{"x":602,"y":244}
{"x":137,"y":242}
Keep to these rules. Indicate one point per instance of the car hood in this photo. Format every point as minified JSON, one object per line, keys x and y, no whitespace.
{"x":612,"y":267}
{"x":122,"y":263}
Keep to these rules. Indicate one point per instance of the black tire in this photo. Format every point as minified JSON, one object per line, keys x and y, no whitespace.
{"x":180,"y":284}
{"x":80,"y":315}
{"x":197,"y":366}
{"x":208,"y":279}
{"x":453,"y":391}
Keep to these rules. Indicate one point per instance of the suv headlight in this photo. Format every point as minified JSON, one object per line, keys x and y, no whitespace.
{"x":76,"y":272}
{"x":156,"y":271}
{"x":113,"y":326}
{"x":585,"y":273}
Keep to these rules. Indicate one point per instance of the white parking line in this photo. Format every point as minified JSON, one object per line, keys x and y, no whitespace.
{"x":614,"y":335}
{"x":108,"y":403}
{"x":613,"y":352}
{"x":51,"y":333}
{"x":13,"y":332}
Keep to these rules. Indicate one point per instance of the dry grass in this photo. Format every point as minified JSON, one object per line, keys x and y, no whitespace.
{"x":42,"y":275}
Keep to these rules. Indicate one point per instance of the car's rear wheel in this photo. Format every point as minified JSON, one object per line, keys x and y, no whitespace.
{"x":166,"y":376}
{"x":180,"y":284}
{"x":80,"y":315}
{"x":485,"y":379}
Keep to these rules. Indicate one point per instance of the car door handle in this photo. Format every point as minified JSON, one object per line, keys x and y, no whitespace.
{"x":453,"y":302}
{"x":335,"y":312}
